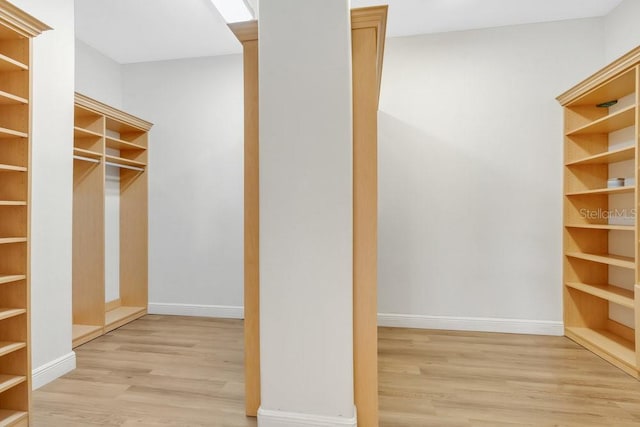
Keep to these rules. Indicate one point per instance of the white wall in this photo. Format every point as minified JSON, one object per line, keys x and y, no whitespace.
{"x":470,"y":161}
{"x":306,"y":215}
{"x":622,"y":32}
{"x":196,"y":185}
{"x":97,"y":75}
{"x":52,"y":179}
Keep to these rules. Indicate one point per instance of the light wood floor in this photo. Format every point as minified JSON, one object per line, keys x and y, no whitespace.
{"x":178,"y":371}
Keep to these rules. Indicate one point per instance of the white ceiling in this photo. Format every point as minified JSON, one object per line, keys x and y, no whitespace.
{"x":152,"y":30}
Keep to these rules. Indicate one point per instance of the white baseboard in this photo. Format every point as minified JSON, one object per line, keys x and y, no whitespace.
{"x":476,"y":324}
{"x":196,"y":310}
{"x":50,"y":371}
{"x":269,"y":418}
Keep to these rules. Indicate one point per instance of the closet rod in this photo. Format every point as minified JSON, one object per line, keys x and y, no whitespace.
{"x":86,"y":159}
{"x":118,"y":165}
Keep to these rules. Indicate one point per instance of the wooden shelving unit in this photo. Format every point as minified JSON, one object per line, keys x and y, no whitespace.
{"x":16,"y":31}
{"x":601,"y":274}
{"x":106,"y":136}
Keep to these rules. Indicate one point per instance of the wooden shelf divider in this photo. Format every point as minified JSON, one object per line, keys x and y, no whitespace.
{"x":615,"y":121}
{"x":614,"y":156}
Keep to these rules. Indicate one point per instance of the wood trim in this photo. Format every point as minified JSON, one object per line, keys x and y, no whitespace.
{"x":119,"y":115}
{"x":245,"y":31}
{"x":251,"y":228}
{"x":20,"y":21}
{"x":618,"y":66}
{"x":112,"y":305}
{"x":365,"y":223}
{"x":373,"y":17}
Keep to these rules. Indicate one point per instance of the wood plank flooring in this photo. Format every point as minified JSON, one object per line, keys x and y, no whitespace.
{"x":179,"y":371}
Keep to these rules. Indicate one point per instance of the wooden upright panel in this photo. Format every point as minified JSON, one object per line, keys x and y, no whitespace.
{"x":367,"y":25}
{"x":247,"y":33}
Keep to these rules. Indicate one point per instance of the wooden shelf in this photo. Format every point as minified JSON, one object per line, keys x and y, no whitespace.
{"x":8,"y":240}
{"x":79,"y":132}
{"x":12,"y":203}
{"x":126,"y":162}
{"x":122,"y":315}
{"x":605,"y":343}
{"x":119,"y":144}
{"x":8,"y":278}
{"x":7,"y":347}
{"x":9,"y":133}
{"x":603,"y":227}
{"x":615,"y":121}
{"x":614,"y":190}
{"x":618,"y":261}
{"x":11,"y":168}
{"x":10,"y":418}
{"x":10,"y":64}
{"x":611,"y":293}
{"x":614,"y":156}
{"x":7,"y":98}
{"x":87,"y":153}
{"x":10,"y":381}
{"x":6,"y":313}
{"x":84,"y":333}
{"x":615,"y":88}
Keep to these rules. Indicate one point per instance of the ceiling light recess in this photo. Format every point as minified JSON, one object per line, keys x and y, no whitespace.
{"x":234,"y":10}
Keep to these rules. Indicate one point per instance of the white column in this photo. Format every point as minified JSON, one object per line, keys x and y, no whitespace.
{"x":306,"y":221}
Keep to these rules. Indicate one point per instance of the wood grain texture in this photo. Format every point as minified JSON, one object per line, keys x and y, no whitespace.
{"x":365,"y":224}
{"x":247,"y":34}
{"x":165,"y":371}
{"x":251,"y":228}
{"x":88,"y":243}
{"x":185,"y":371}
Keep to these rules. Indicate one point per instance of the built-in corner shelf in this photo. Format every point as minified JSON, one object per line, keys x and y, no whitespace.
{"x":7,"y":347}
{"x":125,"y":162}
{"x":10,"y":133}
{"x":615,"y":294}
{"x":82,"y":334}
{"x":608,"y":345}
{"x":602,"y":227}
{"x":7,"y":98}
{"x":7,"y":313}
{"x":608,"y":157}
{"x":11,"y":278}
{"x":9,"y":381}
{"x":614,"y":190}
{"x":9,"y":240}
{"x":12,"y":168}
{"x":615,"y":121}
{"x":10,"y":64}
{"x":121,"y":316}
{"x":601,"y":291}
{"x":12,"y":418}
{"x":119,"y":144}
{"x":616,"y":260}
